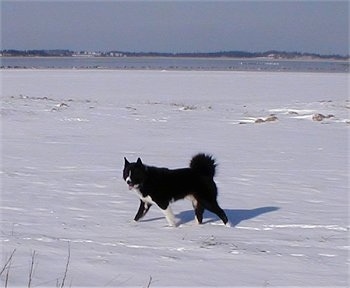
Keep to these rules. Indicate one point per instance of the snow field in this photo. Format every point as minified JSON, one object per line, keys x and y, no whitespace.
{"x":284,"y":183}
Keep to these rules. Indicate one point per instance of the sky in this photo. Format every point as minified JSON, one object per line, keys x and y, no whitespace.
{"x":177,"y":26}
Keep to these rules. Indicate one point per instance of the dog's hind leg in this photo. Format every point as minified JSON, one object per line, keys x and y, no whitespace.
{"x":143,"y":209}
{"x":215,"y":208}
{"x":198,"y":210}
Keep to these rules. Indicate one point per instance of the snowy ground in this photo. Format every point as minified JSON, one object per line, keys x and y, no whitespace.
{"x":284,"y":183}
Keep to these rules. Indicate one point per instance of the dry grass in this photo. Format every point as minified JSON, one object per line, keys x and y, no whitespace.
{"x":6,"y":269}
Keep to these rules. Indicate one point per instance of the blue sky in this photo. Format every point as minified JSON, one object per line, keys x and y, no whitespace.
{"x":177,"y":26}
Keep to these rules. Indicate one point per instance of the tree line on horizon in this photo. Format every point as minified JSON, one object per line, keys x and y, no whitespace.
{"x":273,"y":54}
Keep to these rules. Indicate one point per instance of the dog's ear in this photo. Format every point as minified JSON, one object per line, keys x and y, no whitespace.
{"x":139,"y":162}
{"x":126,"y":162}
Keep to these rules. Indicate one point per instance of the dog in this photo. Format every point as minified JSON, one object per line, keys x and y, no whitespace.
{"x":161,"y":186}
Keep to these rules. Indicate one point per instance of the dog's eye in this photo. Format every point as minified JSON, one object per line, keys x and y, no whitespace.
{"x":125,"y":173}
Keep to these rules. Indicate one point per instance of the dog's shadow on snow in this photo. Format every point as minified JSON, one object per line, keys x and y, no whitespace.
{"x":234,"y":216}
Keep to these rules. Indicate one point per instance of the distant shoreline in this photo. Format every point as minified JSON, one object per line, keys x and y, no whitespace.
{"x":271,"y":54}
{"x":223,"y":58}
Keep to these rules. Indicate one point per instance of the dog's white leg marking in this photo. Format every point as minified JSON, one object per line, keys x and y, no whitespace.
{"x":194,"y":204}
{"x":197,"y":221}
{"x":169,"y":215}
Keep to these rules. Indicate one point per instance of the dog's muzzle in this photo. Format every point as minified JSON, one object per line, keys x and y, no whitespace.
{"x":129,"y":182}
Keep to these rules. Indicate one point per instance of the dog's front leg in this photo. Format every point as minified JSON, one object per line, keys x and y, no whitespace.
{"x":169,"y":215}
{"x":143,"y":209}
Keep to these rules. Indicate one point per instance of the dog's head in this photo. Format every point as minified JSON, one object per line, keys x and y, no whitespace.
{"x":134,"y":173}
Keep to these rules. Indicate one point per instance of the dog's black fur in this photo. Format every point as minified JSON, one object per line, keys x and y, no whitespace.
{"x":161,"y":186}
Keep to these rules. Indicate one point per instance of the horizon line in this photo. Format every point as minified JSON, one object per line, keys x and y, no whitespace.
{"x":272,"y":51}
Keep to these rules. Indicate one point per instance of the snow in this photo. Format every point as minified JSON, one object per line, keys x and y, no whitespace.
{"x":284,"y":183}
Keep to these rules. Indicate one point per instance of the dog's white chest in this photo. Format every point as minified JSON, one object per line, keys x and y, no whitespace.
{"x":147,"y":199}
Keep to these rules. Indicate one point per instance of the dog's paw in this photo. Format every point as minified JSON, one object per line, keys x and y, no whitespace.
{"x":174,"y":225}
{"x":228,"y":224}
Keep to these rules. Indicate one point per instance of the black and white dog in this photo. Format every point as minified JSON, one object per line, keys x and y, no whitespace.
{"x":162,"y":186}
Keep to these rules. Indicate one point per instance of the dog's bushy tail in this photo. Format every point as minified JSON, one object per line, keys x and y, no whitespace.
{"x":204,"y":165}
